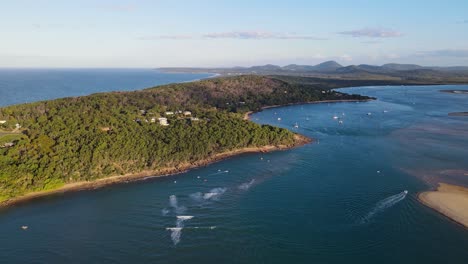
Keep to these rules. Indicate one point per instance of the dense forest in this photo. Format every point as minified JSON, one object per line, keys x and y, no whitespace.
{"x":45,"y":145}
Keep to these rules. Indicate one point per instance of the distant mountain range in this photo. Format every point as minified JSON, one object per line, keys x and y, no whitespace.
{"x":332,"y":69}
{"x":333,"y":66}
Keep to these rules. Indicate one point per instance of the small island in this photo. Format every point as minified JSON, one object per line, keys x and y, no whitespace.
{"x":91,"y":141}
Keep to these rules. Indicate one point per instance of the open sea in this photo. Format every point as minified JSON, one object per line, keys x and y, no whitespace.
{"x":349,"y":197}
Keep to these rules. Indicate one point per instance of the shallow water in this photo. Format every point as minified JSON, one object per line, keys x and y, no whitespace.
{"x":304,"y":205}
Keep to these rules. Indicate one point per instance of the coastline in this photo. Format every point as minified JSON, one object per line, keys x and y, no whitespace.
{"x":300,"y":140}
{"x":449,"y":200}
{"x":247,"y":115}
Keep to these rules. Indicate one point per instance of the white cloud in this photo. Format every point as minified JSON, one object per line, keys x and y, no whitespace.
{"x":372,"y":33}
{"x":255,"y":35}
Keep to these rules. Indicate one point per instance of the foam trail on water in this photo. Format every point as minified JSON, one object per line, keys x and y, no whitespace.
{"x":214,"y":194}
{"x":181,"y":219}
{"x":219,"y":172}
{"x":173,"y":201}
{"x":174,"y":204}
{"x":245,"y":186}
{"x":164,"y":211}
{"x":197,"y":197}
{"x":384,"y":204}
{"x":176,"y":232}
{"x":184,"y":217}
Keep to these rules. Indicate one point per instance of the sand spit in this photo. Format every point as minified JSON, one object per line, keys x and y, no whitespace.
{"x":449,"y":200}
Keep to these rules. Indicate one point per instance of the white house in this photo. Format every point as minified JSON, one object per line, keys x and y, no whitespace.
{"x":194,"y":119}
{"x":169,"y":113}
{"x":187,"y":113}
{"x":2,"y":121}
{"x":163,"y":121}
{"x":153,"y":120}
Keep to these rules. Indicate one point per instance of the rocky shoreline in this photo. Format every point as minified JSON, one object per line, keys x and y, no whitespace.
{"x":300,"y":140}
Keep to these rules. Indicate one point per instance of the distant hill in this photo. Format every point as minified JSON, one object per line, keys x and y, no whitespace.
{"x":394,"y":71}
{"x":327,"y":66}
{"x":268,"y":67}
{"x":401,"y":67}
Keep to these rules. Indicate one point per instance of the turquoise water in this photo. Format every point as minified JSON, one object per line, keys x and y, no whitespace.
{"x":338,"y":200}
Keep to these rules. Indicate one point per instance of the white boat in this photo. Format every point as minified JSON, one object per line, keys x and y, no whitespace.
{"x":296,"y":125}
{"x":335,"y":117}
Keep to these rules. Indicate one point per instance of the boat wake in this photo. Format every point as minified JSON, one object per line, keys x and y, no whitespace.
{"x":176,"y":232}
{"x":245,"y":186}
{"x":174,"y":204}
{"x":164,"y":211}
{"x":384,"y":204}
{"x":213,"y":194}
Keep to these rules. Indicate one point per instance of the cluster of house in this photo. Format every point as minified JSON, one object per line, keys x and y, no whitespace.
{"x":163,"y":120}
{"x":7,"y":145}
{"x":17,"y":126}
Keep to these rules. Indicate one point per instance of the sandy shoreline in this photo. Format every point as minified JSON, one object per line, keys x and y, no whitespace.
{"x":168,"y":171}
{"x":247,"y":115}
{"x":449,"y":200}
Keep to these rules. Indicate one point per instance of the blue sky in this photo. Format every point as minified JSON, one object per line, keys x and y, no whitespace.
{"x":158,"y":33}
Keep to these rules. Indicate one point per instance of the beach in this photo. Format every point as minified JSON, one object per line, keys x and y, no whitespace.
{"x":449,"y":200}
{"x":247,"y":115}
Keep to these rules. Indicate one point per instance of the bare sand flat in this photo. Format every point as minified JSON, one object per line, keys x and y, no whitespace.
{"x":449,"y":200}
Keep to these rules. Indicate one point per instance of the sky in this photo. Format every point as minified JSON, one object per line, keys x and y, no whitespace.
{"x":205,"y":33}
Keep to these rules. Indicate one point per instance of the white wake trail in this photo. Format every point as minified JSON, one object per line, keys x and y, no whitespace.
{"x":176,"y":232}
{"x":174,"y":204}
{"x":384,"y":204}
{"x":245,"y":186}
{"x":214,"y":194}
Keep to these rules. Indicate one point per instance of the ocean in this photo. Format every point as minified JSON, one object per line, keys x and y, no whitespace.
{"x":349,"y":197}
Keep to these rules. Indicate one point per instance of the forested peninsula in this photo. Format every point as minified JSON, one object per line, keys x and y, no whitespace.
{"x":49,"y":145}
